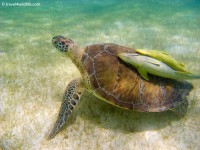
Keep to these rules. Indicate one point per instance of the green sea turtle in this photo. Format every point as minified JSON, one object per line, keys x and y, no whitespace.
{"x":107,"y":77}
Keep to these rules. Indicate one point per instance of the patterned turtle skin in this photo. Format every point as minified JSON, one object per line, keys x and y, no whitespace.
{"x":110,"y":79}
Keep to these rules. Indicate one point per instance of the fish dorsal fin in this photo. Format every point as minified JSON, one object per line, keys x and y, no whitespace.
{"x":182,"y":64}
{"x":165,"y":53}
{"x":143,"y":73}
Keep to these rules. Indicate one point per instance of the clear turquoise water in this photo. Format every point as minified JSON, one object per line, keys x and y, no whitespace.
{"x":33,"y":75}
{"x":146,"y":22}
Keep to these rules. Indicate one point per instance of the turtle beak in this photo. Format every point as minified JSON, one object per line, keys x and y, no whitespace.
{"x":54,"y":41}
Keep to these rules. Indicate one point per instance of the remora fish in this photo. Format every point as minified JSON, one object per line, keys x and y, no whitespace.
{"x":145,"y":64}
{"x":165,"y":58}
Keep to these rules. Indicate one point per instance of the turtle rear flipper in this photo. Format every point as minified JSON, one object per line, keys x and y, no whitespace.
{"x":181,"y":109}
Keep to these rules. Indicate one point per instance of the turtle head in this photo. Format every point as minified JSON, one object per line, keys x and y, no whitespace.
{"x":63,"y":44}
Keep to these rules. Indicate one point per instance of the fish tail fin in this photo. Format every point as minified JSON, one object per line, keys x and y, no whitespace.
{"x":184,"y":75}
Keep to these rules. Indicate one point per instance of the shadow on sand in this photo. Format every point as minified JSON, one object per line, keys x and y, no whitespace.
{"x":108,"y":116}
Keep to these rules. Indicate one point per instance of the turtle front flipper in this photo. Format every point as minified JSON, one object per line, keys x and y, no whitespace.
{"x":71,"y":97}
